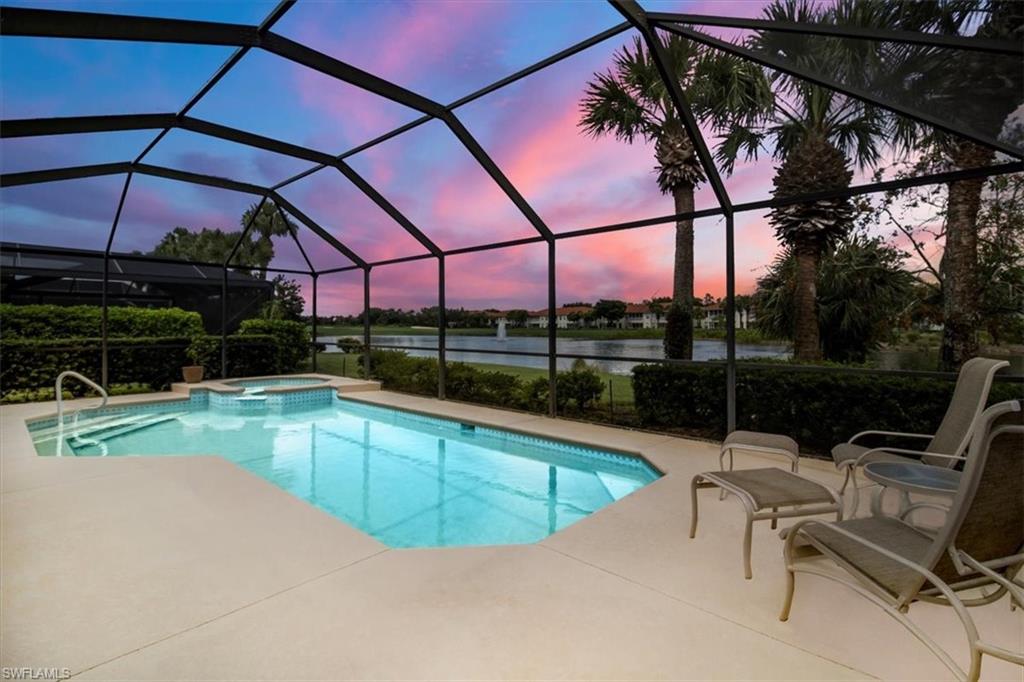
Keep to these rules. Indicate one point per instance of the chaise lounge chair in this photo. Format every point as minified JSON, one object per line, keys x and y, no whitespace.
{"x":980,"y":546}
{"x":945,"y":447}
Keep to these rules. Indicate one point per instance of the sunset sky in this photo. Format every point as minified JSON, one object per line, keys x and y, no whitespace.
{"x":442,"y":50}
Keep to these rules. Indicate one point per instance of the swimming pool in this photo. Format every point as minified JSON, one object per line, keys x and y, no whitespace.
{"x":406,"y":479}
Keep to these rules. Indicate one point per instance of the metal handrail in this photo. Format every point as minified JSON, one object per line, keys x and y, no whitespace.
{"x":58,"y":391}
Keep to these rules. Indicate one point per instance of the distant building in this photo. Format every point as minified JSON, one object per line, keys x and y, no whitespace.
{"x":713,"y":317}
{"x":566,"y":317}
{"x":640,"y":316}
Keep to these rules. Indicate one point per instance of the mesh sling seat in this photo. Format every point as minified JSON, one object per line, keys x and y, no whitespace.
{"x":945,"y":447}
{"x":980,"y":546}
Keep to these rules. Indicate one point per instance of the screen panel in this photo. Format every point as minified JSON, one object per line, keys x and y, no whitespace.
{"x":271,"y":96}
{"x":431,"y":177}
{"x":180,"y":220}
{"x":444,"y":49}
{"x":47,"y":77}
{"x":19,"y":154}
{"x":185,"y":150}
{"x":557,"y":136}
{"x":69,"y":213}
{"x":338,"y":206}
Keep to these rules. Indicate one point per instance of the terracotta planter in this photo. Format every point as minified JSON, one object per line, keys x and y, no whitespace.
{"x":193,"y":374}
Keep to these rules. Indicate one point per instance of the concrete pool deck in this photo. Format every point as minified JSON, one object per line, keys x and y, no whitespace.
{"x":192,"y":568}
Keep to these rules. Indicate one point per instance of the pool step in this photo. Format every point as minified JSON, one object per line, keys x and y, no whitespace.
{"x":106,"y":427}
{"x":129,"y":428}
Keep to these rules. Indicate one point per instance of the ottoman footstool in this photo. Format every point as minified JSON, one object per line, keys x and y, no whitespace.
{"x":767,"y":494}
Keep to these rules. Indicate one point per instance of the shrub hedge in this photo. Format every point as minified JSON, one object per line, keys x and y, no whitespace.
{"x":84,"y":321}
{"x":818,"y":409}
{"x":30,"y":364}
{"x":397,"y":371}
{"x":147,"y":346}
{"x":294,"y":342}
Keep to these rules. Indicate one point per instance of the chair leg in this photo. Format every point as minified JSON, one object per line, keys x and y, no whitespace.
{"x":747,"y":536}
{"x":693,"y":506}
{"x":855,"y":495}
{"x":775,"y":522}
{"x":721,"y":465}
{"x":787,"y":602}
{"x":876,"y":501}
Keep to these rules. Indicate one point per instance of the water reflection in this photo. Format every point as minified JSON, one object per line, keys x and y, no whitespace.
{"x":703,"y":349}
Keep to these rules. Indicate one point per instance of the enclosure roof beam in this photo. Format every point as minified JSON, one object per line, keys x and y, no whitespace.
{"x":486,"y":90}
{"x":44,"y":23}
{"x":849,"y":90}
{"x":70,"y":173}
{"x":52,"y":175}
{"x":856,"y":190}
{"x":70,"y":125}
{"x":65,"y":125}
{"x":889,"y":185}
{"x":638,"y":18}
{"x":142,"y":258}
{"x":199,"y":179}
{"x":296,"y":151}
{"x":222,"y":71}
{"x":853,"y":32}
{"x":50,"y":23}
{"x":325,"y":64}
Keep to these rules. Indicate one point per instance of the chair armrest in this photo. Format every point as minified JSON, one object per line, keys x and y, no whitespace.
{"x":860,"y":461}
{"x":891,"y":433}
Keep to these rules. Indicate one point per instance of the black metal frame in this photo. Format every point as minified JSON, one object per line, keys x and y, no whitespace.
{"x":63,"y":24}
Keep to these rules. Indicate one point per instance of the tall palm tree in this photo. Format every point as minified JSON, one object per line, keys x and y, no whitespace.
{"x":985,"y":92}
{"x":818,"y":135}
{"x":630,"y":101}
{"x":269,"y":223}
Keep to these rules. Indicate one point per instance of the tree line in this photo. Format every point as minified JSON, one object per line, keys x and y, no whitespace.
{"x":817,"y":137}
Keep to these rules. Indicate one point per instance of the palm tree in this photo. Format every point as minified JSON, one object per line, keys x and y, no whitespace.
{"x":984,"y":92}
{"x":818,"y":135}
{"x":269,"y":223}
{"x":631,"y":101}
{"x":862,"y":288}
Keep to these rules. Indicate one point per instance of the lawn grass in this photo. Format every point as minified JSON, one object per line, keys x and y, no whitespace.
{"x":347,"y":364}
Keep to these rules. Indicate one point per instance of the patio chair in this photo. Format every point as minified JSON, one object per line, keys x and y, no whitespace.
{"x":980,"y":546}
{"x":945,"y":447}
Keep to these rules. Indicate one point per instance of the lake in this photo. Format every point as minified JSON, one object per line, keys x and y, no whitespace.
{"x":703,"y":349}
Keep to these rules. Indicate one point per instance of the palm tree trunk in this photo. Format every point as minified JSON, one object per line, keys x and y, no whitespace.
{"x":960,"y":261}
{"x":806,"y":336}
{"x":682,"y":277}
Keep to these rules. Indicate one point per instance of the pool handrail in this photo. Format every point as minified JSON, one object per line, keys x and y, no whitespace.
{"x":58,"y":392}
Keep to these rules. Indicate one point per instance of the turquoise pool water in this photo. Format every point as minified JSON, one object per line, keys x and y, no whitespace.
{"x":408,"y":480}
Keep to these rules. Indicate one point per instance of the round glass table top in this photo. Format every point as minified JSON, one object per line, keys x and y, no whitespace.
{"x":913,"y":476}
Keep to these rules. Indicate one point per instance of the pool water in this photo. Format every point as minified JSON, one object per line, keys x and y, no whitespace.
{"x":407,"y":480}
{"x":257,"y":385}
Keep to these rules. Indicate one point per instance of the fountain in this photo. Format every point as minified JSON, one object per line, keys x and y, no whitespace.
{"x":501,"y":330}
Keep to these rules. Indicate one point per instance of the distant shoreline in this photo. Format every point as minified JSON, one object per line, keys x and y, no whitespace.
{"x":742,"y":335}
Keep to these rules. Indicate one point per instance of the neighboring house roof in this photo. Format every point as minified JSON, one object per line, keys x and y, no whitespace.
{"x":563,"y":311}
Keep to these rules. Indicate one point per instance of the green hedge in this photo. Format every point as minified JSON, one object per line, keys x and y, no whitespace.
{"x":397,"y":371}
{"x":33,"y":364}
{"x":84,"y":321}
{"x":294,"y":343}
{"x":818,"y":409}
